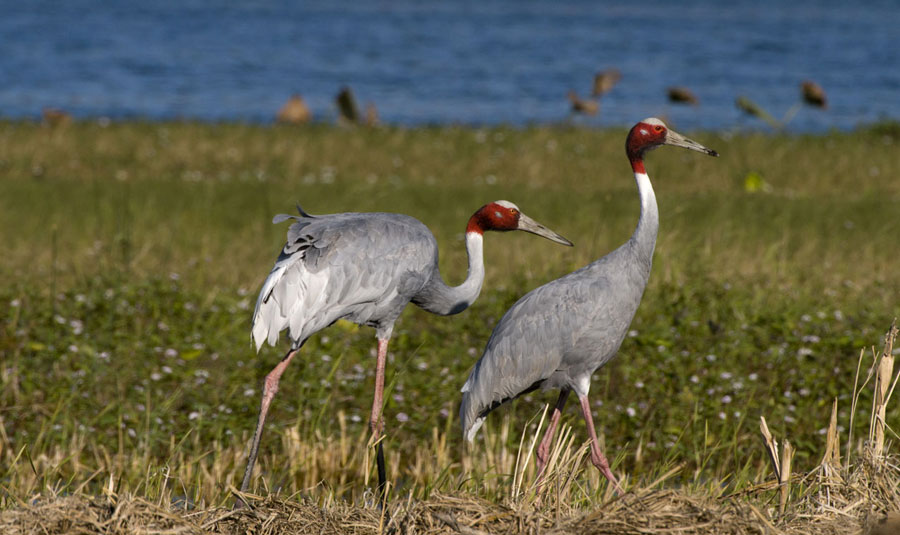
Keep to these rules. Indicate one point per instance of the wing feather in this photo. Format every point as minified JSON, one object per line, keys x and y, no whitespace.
{"x":353,"y":266}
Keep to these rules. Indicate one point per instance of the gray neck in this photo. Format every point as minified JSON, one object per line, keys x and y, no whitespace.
{"x":438,"y":298}
{"x":644,"y":238}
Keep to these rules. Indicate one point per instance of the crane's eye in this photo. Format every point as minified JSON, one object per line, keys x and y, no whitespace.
{"x":658,"y":128}
{"x":513,"y":211}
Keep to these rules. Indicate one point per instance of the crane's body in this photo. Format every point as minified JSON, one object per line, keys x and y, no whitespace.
{"x":364,"y":268}
{"x":558,"y":335}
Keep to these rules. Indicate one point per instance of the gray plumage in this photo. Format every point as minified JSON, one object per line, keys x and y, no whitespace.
{"x":364,"y":268}
{"x":558,"y":335}
{"x":361,"y":267}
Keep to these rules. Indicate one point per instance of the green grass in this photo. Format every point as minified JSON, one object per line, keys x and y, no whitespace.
{"x":132,"y":255}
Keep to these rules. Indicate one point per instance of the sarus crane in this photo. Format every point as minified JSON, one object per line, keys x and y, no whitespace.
{"x":365,"y":268}
{"x":559,"y":334}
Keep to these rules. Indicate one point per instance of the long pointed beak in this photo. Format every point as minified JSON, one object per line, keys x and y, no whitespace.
{"x":676,"y":139}
{"x":530,"y":225}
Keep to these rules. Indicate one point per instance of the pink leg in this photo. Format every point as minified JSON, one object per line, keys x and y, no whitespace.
{"x":375,"y":422}
{"x":543,"y":451}
{"x":597,"y":457}
{"x":270,"y":387}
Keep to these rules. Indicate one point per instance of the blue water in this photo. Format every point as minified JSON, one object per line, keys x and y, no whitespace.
{"x":473,"y":62}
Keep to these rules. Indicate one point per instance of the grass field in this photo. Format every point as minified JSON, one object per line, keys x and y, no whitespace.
{"x":132,"y":254}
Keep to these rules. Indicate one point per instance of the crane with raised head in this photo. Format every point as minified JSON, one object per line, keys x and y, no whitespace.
{"x":559,"y":334}
{"x":365,"y":268}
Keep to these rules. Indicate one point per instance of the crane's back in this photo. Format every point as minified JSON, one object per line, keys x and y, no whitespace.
{"x":362,"y":267}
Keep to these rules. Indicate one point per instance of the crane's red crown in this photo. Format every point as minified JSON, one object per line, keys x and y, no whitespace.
{"x":651,"y":133}
{"x":499,"y":215}
{"x":645,"y":135}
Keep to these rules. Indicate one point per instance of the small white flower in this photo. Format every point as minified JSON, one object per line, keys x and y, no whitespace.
{"x":156,"y":376}
{"x":193,"y":415}
{"x":166,"y":369}
{"x":402,"y":417}
{"x":639,"y":384}
{"x":725,"y":375}
{"x":804,"y":352}
{"x":726,"y":399}
{"x":73,"y":348}
{"x":631,"y":412}
{"x":710,"y":358}
{"x":753,"y":376}
{"x":695,"y":379}
{"x":632,"y":333}
{"x":171,"y":353}
{"x":249,"y":392}
{"x":722,"y":416}
{"x":15,"y":303}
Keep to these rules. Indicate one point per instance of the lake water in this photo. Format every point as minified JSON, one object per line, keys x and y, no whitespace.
{"x":472,"y":62}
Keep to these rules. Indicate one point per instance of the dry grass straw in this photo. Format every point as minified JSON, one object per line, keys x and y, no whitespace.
{"x":867,"y":486}
{"x":644,"y":511}
{"x":857,"y":496}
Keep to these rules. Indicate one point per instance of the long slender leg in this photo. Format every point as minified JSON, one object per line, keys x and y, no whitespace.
{"x":270,"y":387}
{"x":597,"y":457}
{"x":375,"y":423}
{"x":543,"y":451}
